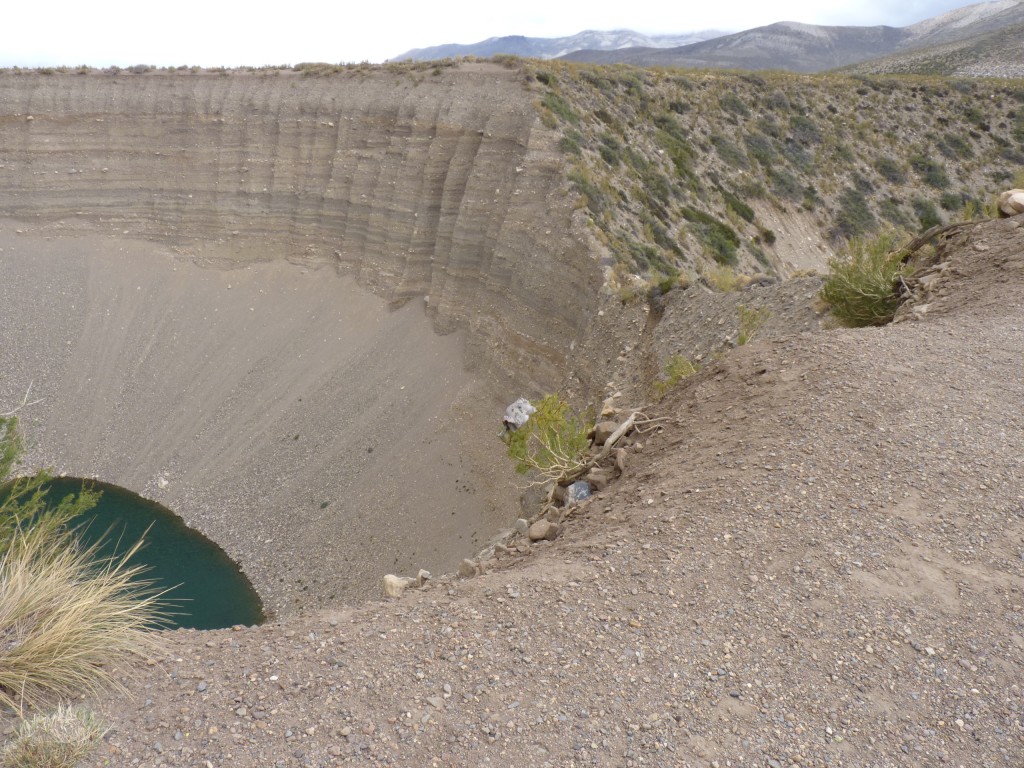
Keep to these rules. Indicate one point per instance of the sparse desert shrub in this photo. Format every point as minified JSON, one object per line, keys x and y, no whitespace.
{"x":926,"y":212}
{"x":677,"y":368}
{"x":785,"y":185}
{"x":860,"y":288}
{"x":560,"y":108}
{"x":610,"y":150}
{"x":67,"y":616}
{"x":751,"y":321}
{"x":729,"y":152}
{"x":594,"y":198}
{"x":722,"y":278}
{"x":553,"y":441}
{"x":760,"y":148}
{"x":891,"y":211}
{"x":717,"y":237}
{"x":804,"y":130}
{"x":890,"y":170}
{"x":956,"y":147}
{"x":932,"y":172}
{"x":952,"y":201}
{"x":570,"y":143}
{"x":741,"y":209}
{"x":61,"y":739}
{"x":778,"y":101}
{"x":854,"y":217}
{"x":730,"y":102}
{"x":798,"y":157}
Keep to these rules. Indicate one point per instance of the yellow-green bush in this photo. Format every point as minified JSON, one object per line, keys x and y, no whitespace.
{"x":861,"y":286}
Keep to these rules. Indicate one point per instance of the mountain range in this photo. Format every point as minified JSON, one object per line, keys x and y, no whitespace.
{"x":984,"y":39}
{"x":555,"y":47}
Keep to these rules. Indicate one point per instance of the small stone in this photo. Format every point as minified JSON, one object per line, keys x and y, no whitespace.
{"x":620,"y":460}
{"x":522,"y":525}
{"x":603,"y":430}
{"x":436,"y":702}
{"x":467,"y":569}
{"x":577,"y":492}
{"x":242,"y":711}
{"x":543,"y":529}
{"x":422,"y":577}
{"x":201,"y":687}
{"x":394,"y":586}
{"x":598,"y":479}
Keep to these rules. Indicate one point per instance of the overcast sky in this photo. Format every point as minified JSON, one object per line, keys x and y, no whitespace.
{"x":232,"y":33}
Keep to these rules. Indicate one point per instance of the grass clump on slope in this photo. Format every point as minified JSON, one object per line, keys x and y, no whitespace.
{"x":68,"y":618}
{"x":61,"y":739}
{"x":861,"y":287}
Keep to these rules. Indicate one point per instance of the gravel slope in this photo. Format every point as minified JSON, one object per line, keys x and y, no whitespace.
{"x":817,"y":562}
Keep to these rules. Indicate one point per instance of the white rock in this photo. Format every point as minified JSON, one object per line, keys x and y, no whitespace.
{"x":394,"y":586}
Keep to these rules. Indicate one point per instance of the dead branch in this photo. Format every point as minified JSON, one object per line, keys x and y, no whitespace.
{"x":24,"y":402}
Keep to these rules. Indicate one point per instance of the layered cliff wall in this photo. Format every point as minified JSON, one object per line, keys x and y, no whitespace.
{"x":442,"y":185}
{"x":322,"y":435}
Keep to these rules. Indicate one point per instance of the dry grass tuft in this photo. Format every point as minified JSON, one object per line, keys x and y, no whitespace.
{"x":61,"y":739}
{"x":67,"y":618}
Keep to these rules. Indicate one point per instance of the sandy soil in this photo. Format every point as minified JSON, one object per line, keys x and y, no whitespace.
{"x":818,"y":561}
{"x":320,"y":438}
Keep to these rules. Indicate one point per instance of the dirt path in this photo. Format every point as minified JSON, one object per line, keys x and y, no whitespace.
{"x":820,"y":562}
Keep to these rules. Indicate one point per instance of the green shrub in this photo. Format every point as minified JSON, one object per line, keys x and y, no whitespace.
{"x":854,"y":217}
{"x":861,"y":285}
{"x":736,"y":205}
{"x":676,"y":369}
{"x":593,"y":195}
{"x":890,"y":170}
{"x":760,"y":148}
{"x":751,"y":321}
{"x":730,"y":102}
{"x":926,"y":212}
{"x":729,"y":152}
{"x":891,"y":211}
{"x":932,"y":172}
{"x":804,"y":130}
{"x":785,"y":184}
{"x":952,"y":201}
{"x":717,"y":237}
{"x":553,"y":441}
{"x":956,"y":147}
{"x":560,"y":108}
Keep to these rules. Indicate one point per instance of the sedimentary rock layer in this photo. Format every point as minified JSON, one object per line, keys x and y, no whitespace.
{"x":440,"y":185}
{"x":323,"y":440}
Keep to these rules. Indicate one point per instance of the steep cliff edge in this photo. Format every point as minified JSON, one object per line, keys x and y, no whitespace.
{"x":322,"y":435}
{"x":442,"y":185}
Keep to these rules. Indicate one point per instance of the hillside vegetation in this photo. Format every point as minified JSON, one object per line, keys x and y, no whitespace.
{"x":681,"y":170}
{"x":998,"y":53}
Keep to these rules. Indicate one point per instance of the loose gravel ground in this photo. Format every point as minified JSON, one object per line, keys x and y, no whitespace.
{"x":819,"y":561}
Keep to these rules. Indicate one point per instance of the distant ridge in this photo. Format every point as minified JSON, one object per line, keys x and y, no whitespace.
{"x":554,"y":47}
{"x":800,"y":47}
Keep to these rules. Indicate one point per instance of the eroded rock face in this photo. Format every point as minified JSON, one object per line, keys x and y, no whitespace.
{"x":440,"y":186}
{"x":320,"y":439}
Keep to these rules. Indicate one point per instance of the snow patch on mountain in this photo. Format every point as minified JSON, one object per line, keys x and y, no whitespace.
{"x":961,"y":17}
